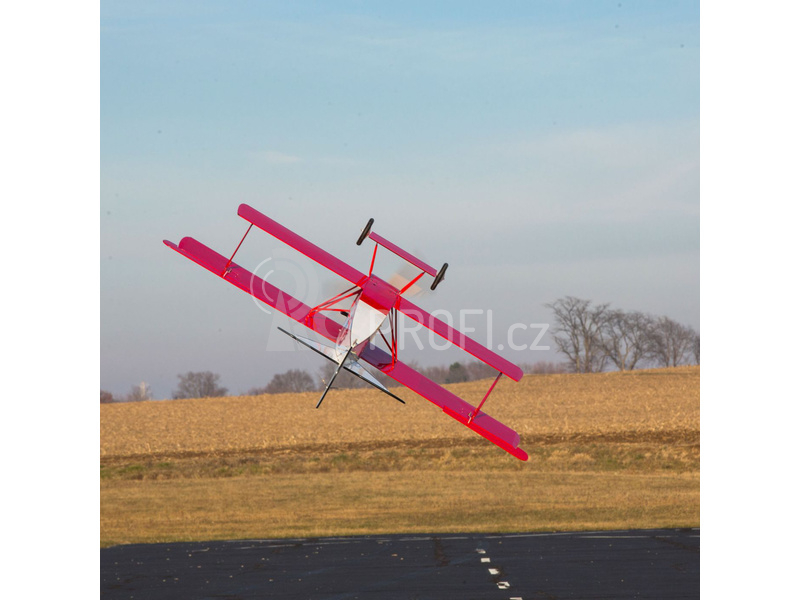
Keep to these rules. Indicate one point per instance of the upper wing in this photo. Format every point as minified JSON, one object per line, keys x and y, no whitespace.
{"x":301,"y":244}
{"x":480,"y":352}
{"x":256,"y":287}
{"x":492,"y":429}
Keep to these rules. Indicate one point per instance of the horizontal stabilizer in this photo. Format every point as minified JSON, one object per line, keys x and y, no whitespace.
{"x":407,"y":256}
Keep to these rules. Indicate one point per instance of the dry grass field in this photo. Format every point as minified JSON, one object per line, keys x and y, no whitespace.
{"x":607,"y":451}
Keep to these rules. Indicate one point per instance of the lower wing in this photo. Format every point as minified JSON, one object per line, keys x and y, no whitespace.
{"x":256,"y":287}
{"x":493,"y":430}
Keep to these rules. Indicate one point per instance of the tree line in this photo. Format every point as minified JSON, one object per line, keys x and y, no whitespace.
{"x":592,"y":337}
{"x":200,"y":384}
{"x":204,"y":384}
{"x":595,"y":336}
{"x":298,"y":380}
{"x":138,"y":393}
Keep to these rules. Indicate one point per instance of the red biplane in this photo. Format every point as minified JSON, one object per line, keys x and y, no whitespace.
{"x":373,"y":301}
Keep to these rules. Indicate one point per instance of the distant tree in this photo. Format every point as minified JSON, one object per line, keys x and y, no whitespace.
{"x":106,"y":397}
{"x":291,"y":381}
{"x":696,"y":348}
{"x":671,"y":343}
{"x":436,"y":373}
{"x":479,"y":370}
{"x":456,"y":373}
{"x":202,"y":384}
{"x":627,"y":337}
{"x":579,"y":333}
{"x":139,"y":393}
{"x":544,"y":368}
{"x":344,"y":380}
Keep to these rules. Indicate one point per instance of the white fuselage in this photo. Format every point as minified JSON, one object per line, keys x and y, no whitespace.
{"x":364,"y":321}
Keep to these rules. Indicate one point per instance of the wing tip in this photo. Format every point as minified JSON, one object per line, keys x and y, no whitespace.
{"x":520,"y":454}
{"x":245,"y":208}
{"x":182,"y":245}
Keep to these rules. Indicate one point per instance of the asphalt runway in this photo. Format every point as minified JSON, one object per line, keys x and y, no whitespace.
{"x":658,"y":563}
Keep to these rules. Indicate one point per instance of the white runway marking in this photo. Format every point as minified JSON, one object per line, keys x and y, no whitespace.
{"x":616,"y":537}
{"x":545,"y":534}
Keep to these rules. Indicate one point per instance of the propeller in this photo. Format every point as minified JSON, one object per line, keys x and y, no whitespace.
{"x":402,"y":276}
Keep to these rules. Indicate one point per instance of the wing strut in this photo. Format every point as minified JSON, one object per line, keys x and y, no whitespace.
{"x":335,"y":373}
{"x":474,"y":414}
{"x":230,"y":260}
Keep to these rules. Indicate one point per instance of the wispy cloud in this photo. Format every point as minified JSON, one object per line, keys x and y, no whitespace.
{"x":275,"y":157}
{"x":279,"y":158}
{"x":621,"y":172}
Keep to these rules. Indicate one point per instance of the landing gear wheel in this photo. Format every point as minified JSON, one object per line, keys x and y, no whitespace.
{"x":439,"y":276}
{"x":365,"y":233}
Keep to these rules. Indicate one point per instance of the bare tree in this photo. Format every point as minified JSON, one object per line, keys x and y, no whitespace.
{"x":579,"y":332}
{"x":344,"y":380}
{"x":627,"y":337}
{"x":436,"y":373}
{"x":106,"y":397}
{"x":202,"y":384}
{"x":544,"y":368}
{"x":456,"y":373}
{"x":292,"y":381}
{"x":696,"y":348}
{"x":479,"y":370}
{"x":671,"y":342}
{"x":139,"y":393}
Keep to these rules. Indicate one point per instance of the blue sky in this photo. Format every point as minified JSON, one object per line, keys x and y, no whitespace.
{"x":542,"y":149}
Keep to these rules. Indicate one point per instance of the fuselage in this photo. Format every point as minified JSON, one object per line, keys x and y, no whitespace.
{"x":367,"y":314}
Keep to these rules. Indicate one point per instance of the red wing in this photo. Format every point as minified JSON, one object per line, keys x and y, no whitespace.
{"x":255,"y":286}
{"x":492,"y":429}
{"x":301,"y":244}
{"x":480,"y":352}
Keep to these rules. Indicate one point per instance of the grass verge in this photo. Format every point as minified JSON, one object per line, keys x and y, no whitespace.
{"x":357,"y":503}
{"x":607,"y":451}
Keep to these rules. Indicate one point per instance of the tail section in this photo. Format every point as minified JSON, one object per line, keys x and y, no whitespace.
{"x":405,"y":255}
